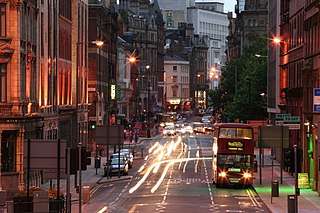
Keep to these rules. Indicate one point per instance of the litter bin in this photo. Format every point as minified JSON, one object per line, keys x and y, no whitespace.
{"x":86,"y":194}
{"x":292,"y":204}
{"x":275,"y":188}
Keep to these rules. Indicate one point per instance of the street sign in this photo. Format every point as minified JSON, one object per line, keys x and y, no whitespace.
{"x":282,"y":116}
{"x":109,"y":135}
{"x":292,"y":126}
{"x":44,"y":154}
{"x":279,"y":123}
{"x":274,"y":136}
{"x":292,"y":119}
{"x":316,"y":100}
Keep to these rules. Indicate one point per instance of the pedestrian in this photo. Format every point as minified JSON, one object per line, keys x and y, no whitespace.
{"x":136,"y":136}
{"x":109,"y":173}
{"x":131,"y":136}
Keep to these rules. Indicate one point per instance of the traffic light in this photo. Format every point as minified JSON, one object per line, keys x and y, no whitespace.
{"x":74,"y":159}
{"x":85,"y":158}
{"x":92,"y":125}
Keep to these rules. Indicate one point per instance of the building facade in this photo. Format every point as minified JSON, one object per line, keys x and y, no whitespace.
{"x":38,"y":81}
{"x":176,"y":85}
{"x":143,"y":30}
{"x":299,"y":78}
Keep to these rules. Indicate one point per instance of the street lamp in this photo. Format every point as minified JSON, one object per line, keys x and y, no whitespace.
{"x":248,"y":79}
{"x":148,"y":103}
{"x":77,"y":136}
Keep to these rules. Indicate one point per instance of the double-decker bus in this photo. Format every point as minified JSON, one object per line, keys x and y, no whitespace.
{"x":233,"y":154}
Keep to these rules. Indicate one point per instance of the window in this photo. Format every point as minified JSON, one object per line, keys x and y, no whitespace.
{"x":3,"y":19}
{"x":174,"y":68}
{"x":8,"y":145}
{"x":3,"y":82}
{"x":174,"y":79}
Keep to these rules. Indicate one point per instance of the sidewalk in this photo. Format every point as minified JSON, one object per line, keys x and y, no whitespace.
{"x":92,"y":178}
{"x":308,"y":201}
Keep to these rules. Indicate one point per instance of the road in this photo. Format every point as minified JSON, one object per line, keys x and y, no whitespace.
{"x":174,"y":177}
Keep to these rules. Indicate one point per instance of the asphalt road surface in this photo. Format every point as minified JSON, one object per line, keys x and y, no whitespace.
{"x":173,"y":176}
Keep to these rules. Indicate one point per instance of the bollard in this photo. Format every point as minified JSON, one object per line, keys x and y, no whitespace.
{"x":275,"y":188}
{"x":292,"y":204}
{"x":86,"y":194}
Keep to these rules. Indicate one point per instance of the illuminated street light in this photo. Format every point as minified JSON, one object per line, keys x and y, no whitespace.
{"x":78,"y":136}
{"x":98,"y":43}
{"x":276,"y":40}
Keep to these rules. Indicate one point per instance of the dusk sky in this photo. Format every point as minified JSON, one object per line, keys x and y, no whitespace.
{"x":228,"y":5}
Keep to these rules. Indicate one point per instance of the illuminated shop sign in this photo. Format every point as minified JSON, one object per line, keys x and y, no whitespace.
{"x":113,"y":92}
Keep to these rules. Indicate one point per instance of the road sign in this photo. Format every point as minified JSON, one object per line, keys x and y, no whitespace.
{"x":316,"y":100}
{"x":109,"y":135}
{"x":274,"y":136}
{"x":279,"y":123}
{"x":292,"y":119}
{"x":282,"y":116}
{"x":292,"y":126}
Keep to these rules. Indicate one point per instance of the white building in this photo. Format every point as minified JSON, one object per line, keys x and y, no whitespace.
{"x":213,"y":27}
{"x":174,"y":11}
{"x":176,"y":85}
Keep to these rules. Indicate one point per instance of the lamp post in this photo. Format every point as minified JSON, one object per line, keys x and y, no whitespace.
{"x":148,"y":101}
{"x":77,"y":135}
{"x":296,"y":189}
{"x":248,"y":78}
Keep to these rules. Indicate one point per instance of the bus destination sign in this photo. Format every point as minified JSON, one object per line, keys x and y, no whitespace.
{"x":235,"y":145}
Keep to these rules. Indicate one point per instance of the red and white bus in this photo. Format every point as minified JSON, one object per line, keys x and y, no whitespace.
{"x":233,"y":154}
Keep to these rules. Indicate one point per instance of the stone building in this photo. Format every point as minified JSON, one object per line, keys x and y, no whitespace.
{"x":143,"y":29}
{"x":299,"y":78}
{"x":39,"y":47}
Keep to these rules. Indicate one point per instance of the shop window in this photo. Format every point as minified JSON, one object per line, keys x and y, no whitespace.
{"x":8,"y":150}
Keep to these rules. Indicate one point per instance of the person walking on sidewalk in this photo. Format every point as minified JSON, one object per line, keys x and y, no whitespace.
{"x":136,"y":136}
{"x":109,"y":173}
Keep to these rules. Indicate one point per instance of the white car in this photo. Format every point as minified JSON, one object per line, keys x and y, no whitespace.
{"x":188,"y":129}
{"x":169,"y":131}
{"x":129,"y":156}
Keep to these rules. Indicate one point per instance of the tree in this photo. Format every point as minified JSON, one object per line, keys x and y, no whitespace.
{"x":243,"y":80}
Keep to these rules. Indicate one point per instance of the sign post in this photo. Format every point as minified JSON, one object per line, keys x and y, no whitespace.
{"x":316,"y":100}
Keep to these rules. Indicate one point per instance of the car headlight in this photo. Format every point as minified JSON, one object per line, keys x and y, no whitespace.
{"x":247,"y":175}
{"x":222,"y":174}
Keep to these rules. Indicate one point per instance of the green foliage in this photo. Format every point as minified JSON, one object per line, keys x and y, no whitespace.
{"x":239,"y":78}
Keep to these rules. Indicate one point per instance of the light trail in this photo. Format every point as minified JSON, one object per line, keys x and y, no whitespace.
{"x":185,"y":165}
{"x":153,"y":147}
{"x":197,"y":162}
{"x":133,"y":189}
{"x":162,"y":177}
{"x":103,"y":209}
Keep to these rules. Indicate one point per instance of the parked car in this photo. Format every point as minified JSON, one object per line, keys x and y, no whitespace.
{"x":129,"y":156}
{"x":115,"y":164}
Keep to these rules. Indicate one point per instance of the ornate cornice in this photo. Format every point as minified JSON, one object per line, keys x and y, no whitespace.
{"x":6,"y":52}
{"x":14,"y":4}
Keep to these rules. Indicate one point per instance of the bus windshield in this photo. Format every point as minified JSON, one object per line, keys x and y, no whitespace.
{"x":237,"y":133}
{"x":235,"y":162}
